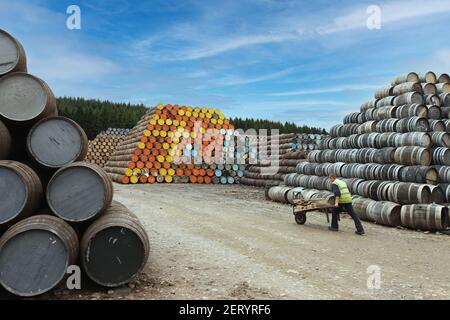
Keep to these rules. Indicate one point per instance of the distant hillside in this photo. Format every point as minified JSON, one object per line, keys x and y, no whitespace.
{"x":96,"y":115}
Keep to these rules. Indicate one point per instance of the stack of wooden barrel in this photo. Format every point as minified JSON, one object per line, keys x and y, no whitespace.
{"x":176,"y":144}
{"x":103,"y":146}
{"x":394,"y":153}
{"x":49,"y":198}
{"x":274,"y":156}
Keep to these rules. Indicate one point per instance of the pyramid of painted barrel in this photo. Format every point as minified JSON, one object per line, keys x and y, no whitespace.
{"x":394,"y":154}
{"x":176,"y":144}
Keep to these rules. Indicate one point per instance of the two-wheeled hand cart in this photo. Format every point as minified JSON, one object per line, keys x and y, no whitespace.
{"x":301,"y":207}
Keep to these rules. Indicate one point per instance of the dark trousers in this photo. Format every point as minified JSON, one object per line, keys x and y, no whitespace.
{"x":349,"y":208}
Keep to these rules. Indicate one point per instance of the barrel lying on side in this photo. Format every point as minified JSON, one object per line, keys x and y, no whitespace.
{"x":386,"y":213}
{"x":411,"y":156}
{"x":5,"y":141}
{"x":20,"y":192}
{"x":425,"y":217}
{"x":25,"y":99}
{"x":79,"y":192}
{"x":12,"y":54}
{"x":115,"y":248}
{"x":360,"y":206}
{"x":419,"y":174}
{"x":279,"y":194}
{"x":57,"y":141}
{"x":35,"y":254}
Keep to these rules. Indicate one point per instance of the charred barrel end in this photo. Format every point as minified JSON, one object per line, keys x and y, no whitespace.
{"x":79,"y":192}
{"x":35,"y":254}
{"x":115,"y":248}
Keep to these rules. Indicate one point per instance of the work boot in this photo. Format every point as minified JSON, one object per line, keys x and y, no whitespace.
{"x":333,"y":229}
{"x":360,"y":232}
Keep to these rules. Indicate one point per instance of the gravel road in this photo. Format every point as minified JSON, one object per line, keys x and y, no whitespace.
{"x":227,"y":242}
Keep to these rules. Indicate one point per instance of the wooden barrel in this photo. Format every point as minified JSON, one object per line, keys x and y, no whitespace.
{"x":294,"y":194}
{"x":429,"y":88}
{"x":411,"y":156}
{"x":407,"y":87}
{"x":428,"y":77}
{"x":279,"y":194}
{"x":440,"y":139}
{"x":411,"y":110}
{"x":368,"y":105}
{"x":360,"y":206}
{"x":437,"y":125}
{"x":445,"y":98}
{"x":12,"y":54}
{"x":79,"y":192}
{"x":35,"y":254}
{"x":434,"y":112}
{"x":409,"y":193}
{"x":25,"y":99}
{"x":418,"y":139}
{"x":20,"y":192}
{"x":387,"y":101}
{"x":115,"y":248}
{"x":410,"y":77}
{"x":443,"y":173}
{"x":441,"y":156}
{"x":419,"y":174}
{"x":57,"y":141}
{"x":425,"y":217}
{"x":445,"y":188}
{"x":444,"y":78}
{"x":385,"y":213}
{"x":386,"y":125}
{"x":408,"y":98}
{"x":443,"y":88}
{"x":5,"y":141}
{"x":433,"y":99}
{"x":413,"y":124}
{"x":437,"y":195}
{"x":387,"y":112}
{"x":384,"y":92}
{"x":367,"y":127}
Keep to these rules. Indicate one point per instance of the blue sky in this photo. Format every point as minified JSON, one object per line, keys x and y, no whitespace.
{"x":310,"y":62}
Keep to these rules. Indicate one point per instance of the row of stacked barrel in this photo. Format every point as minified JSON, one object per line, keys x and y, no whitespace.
{"x":55,"y":210}
{"x":275,"y":156}
{"x":178,"y":144}
{"x":394,"y":154}
{"x":103,"y":146}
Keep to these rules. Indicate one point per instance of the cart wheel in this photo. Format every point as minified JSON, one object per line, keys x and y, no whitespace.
{"x":300,"y":218}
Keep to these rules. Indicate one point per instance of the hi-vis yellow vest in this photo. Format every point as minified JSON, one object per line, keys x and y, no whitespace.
{"x":345,"y":197}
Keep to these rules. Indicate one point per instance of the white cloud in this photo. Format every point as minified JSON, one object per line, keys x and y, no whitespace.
{"x":350,"y":87}
{"x":233,"y":80}
{"x":391,"y":12}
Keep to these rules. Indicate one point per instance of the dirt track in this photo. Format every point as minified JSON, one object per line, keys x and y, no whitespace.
{"x":227,"y":242}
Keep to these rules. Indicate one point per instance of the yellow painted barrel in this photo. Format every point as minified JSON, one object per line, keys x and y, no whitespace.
{"x":128,"y":172}
{"x":134,"y":179}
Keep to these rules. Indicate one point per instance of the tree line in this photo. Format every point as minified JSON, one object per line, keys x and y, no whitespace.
{"x":284,"y":127}
{"x":95,"y":116}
